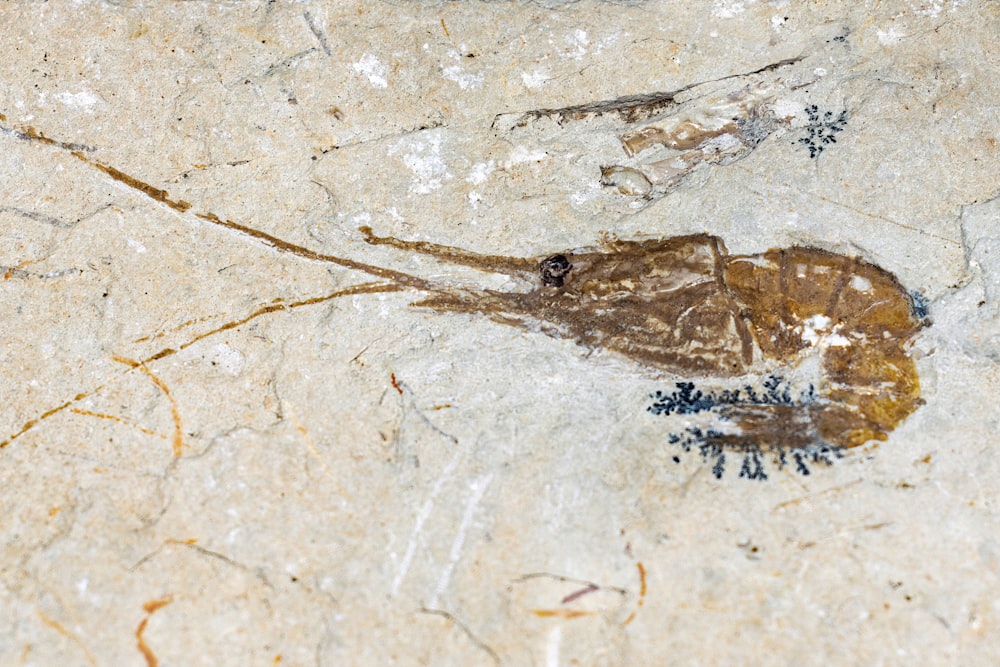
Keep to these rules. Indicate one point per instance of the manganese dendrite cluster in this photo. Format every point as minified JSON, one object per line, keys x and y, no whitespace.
{"x":688,"y":400}
{"x":713,"y":444}
{"x":822,"y":129}
{"x":921,"y":306}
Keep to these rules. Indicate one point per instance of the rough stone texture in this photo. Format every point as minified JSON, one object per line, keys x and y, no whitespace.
{"x":361,"y":482}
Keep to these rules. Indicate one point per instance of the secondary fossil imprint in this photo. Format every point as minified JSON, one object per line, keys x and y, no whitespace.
{"x":667,"y":136}
{"x":727,"y":133}
{"x":684,"y":305}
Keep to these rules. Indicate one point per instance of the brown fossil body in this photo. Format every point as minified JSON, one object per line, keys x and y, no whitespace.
{"x":683,"y":304}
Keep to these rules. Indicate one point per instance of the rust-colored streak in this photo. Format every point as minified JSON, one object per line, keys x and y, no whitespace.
{"x":182,"y":325}
{"x":364,"y":288}
{"x":516,"y":266}
{"x":178,"y":439}
{"x":395,"y":384}
{"x":589,"y":588}
{"x":161,"y":196}
{"x":642,"y":594}
{"x":147,"y":652}
{"x":561,"y":613}
{"x":228,"y":326}
{"x":165,"y":352}
{"x":131,"y":363}
{"x":31,"y":423}
{"x":72,"y":636}
{"x":155,"y":605}
{"x":150,"y":608}
{"x":33,"y":134}
{"x":114,"y":418}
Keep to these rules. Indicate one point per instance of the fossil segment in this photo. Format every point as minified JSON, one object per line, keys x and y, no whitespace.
{"x":661,"y":303}
{"x":794,"y":296}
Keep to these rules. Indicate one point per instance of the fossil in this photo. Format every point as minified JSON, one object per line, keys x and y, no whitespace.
{"x":682,"y":305}
{"x":725,"y":130}
{"x":685,"y":305}
{"x":668,"y":135}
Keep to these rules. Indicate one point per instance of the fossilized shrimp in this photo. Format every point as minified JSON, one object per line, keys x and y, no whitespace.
{"x":686,"y":306}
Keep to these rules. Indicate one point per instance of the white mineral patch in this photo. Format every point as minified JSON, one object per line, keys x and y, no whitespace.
{"x":727,"y":9}
{"x":534,"y":79}
{"x":816,"y":331}
{"x":581,"y":197}
{"x":934,"y":7}
{"x":861,"y":284}
{"x":423,"y":157}
{"x":465,"y":80}
{"x":374,"y":69}
{"x":480,"y":172}
{"x":521,"y":154}
{"x":787,"y":108}
{"x":890,"y":36}
{"x":85,"y":99}
{"x":578,"y":41}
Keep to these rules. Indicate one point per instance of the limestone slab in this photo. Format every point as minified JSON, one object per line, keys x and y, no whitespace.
{"x":220,"y":450}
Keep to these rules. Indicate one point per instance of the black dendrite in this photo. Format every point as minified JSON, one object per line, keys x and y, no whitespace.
{"x":822,"y":129}
{"x":687,"y":399}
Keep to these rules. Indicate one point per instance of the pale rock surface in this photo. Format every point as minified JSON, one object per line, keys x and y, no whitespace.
{"x":361,"y":482}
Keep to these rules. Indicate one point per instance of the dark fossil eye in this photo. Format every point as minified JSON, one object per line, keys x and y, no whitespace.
{"x":553,"y":269}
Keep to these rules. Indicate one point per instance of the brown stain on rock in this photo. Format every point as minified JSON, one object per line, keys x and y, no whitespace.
{"x":150,"y":608}
{"x":642,"y":593}
{"x":175,"y":413}
{"x":364,"y":288}
{"x":68,"y":634}
{"x":562,"y":613}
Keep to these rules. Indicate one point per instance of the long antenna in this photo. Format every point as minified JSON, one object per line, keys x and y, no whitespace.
{"x":79,"y":151}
